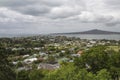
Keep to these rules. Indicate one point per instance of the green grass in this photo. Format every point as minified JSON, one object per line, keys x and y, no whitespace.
{"x":115,"y":48}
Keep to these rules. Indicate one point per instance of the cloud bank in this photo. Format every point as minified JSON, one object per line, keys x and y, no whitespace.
{"x":38,"y":15}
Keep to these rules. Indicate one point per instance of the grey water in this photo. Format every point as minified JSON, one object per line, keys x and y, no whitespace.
{"x":95,"y":36}
{"x":82,"y":36}
{"x":15,"y":35}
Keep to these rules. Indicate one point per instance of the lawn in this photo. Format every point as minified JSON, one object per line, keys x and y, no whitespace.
{"x":115,"y":48}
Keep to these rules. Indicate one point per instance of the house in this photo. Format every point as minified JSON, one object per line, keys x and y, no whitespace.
{"x":63,"y":51}
{"x":14,"y":63}
{"x":80,"y":52}
{"x":42,"y":54}
{"x":37,"y":48}
{"x":25,"y":56}
{"x":48,"y":66}
{"x":92,"y":42}
{"x":89,"y":45}
{"x":75,"y":55}
{"x":71,"y":60}
{"x":24,"y":68}
{"x":14,"y":49}
{"x":64,"y":59}
{"x":28,"y":61}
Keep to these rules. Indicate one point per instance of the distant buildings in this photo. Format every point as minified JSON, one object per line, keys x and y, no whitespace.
{"x":48,"y":66}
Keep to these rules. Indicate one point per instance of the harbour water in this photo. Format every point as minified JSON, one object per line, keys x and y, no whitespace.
{"x":82,"y":36}
{"x":95,"y":36}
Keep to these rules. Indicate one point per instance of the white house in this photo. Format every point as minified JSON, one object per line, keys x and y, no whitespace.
{"x":25,"y":56}
{"x":27,"y":61}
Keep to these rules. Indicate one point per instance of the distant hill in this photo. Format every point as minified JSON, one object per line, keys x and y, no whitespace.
{"x":94,"y":31}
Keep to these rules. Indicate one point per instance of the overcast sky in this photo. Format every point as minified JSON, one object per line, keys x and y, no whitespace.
{"x":50,"y":16}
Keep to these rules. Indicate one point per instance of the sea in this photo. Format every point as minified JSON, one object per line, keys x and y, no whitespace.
{"x":81,"y":36}
{"x":15,"y":35}
{"x":94,"y":36}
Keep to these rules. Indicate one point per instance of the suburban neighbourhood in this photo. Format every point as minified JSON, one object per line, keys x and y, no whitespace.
{"x":48,"y":52}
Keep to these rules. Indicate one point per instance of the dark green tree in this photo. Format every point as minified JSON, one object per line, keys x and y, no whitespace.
{"x":6,"y":72}
{"x":98,"y":58}
{"x":23,"y":75}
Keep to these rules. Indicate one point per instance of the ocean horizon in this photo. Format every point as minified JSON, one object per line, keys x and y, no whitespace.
{"x":81,"y":36}
{"x":93,"y":36}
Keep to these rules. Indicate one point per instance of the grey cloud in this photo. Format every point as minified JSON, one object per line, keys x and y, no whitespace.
{"x":15,"y":3}
{"x":58,"y":9}
{"x":34,"y":10}
{"x":42,"y":7}
{"x":90,"y":17}
{"x":58,"y":13}
{"x":7,"y":15}
{"x":63,"y":14}
{"x":52,"y":2}
{"x":111,"y":24}
{"x":30,"y":7}
{"x":18,"y":3}
{"x":113,"y":4}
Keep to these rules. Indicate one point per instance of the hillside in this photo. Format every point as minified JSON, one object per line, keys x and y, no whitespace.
{"x":94,"y":31}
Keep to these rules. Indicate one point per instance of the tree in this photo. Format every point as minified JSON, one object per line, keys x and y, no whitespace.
{"x":103,"y":75}
{"x":98,"y":58}
{"x":66,"y":72}
{"x":36,"y":75}
{"x":93,"y":60}
{"x":6,"y":72}
{"x":23,"y":75}
{"x":115,"y":66}
{"x":83,"y":74}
